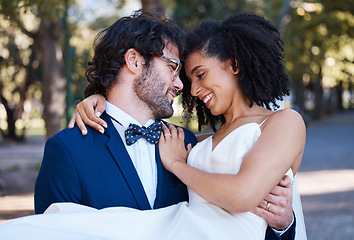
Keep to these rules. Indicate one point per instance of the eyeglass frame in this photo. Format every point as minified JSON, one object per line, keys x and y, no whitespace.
{"x":178,"y":68}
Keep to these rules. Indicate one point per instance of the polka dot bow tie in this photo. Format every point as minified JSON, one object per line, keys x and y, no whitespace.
{"x":151,"y":134}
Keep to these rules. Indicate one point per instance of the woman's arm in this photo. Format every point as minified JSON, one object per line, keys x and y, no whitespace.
{"x":279,"y":147}
{"x":88,"y":112}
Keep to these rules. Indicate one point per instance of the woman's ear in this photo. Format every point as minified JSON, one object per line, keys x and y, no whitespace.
{"x":133,"y":61}
{"x":232,"y":68}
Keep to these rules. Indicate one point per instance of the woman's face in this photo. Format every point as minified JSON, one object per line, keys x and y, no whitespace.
{"x":214,"y":82}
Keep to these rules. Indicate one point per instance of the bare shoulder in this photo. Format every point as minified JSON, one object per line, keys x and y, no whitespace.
{"x":288,"y":115}
{"x":287,"y":119}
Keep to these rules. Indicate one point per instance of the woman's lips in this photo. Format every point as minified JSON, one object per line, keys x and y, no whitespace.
{"x":207,"y":99}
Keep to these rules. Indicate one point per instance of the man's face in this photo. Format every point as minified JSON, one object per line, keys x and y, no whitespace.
{"x":157,"y":86}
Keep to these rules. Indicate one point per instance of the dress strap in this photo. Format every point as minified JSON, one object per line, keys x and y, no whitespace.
{"x":264,"y":121}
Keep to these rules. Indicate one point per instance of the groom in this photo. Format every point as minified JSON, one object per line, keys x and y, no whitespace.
{"x":136,"y":66}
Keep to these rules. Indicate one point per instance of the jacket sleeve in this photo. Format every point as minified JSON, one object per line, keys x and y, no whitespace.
{"x":288,"y":235}
{"x":57,"y":180}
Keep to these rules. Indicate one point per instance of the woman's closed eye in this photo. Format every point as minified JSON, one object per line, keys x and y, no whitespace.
{"x":200,"y":75}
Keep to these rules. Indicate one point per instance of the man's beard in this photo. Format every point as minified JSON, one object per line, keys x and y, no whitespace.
{"x":150,"y":89}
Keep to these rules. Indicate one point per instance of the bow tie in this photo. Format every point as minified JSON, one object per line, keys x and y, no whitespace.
{"x":151,"y":134}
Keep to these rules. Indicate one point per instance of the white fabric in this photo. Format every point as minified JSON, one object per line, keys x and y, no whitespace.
{"x":142,"y":152}
{"x":300,"y":230}
{"x":197,"y":219}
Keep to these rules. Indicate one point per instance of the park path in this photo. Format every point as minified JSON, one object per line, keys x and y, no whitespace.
{"x":325,"y":179}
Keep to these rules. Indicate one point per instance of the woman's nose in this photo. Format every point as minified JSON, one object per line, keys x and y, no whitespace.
{"x":195,"y":88}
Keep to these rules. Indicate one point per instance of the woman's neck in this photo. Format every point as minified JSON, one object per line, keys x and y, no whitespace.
{"x":244,"y":113}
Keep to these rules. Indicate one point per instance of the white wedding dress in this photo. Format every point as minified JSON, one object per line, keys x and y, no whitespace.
{"x":197,"y":219}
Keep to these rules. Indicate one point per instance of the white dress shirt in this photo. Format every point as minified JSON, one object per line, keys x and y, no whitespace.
{"x":142,"y":152}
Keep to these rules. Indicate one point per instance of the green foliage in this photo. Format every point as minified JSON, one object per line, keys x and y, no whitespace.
{"x":311,"y":35}
{"x":189,"y":13}
{"x":47,"y":9}
{"x":315,"y":33}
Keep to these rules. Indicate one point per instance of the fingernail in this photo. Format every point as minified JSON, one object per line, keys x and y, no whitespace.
{"x":70,"y":125}
{"x":98,"y":114}
{"x":101,"y":131}
{"x":84,"y":132}
{"x":105,"y":125}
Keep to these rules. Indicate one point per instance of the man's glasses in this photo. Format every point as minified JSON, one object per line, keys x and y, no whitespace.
{"x":175,"y":65}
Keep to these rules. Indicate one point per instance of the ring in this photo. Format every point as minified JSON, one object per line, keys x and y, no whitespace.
{"x":168,"y":135}
{"x":267,"y":207}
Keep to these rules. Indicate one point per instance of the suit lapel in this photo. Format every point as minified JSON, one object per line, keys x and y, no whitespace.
{"x":162,"y":181}
{"x":120,"y":154}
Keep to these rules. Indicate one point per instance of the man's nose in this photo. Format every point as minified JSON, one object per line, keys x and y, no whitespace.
{"x":177,"y":83}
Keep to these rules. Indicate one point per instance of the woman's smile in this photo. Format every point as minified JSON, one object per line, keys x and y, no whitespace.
{"x":207,"y":99}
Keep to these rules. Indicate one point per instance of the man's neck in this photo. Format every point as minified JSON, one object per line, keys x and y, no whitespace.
{"x":130,"y":104}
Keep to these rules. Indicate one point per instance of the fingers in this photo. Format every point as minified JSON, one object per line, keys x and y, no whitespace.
{"x":72,"y":122}
{"x":100,"y":105}
{"x":165,"y":133}
{"x":282,"y":191}
{"x":261,"y":212}
{"x":170,"y":132}
{"x":80,"y":124}
{"x":279,"y":200}
{"x":276,"y":207}
{"x":271,"y":207}
{"x":180,"y":134}
{"x":285,"y":181}
{"x":87,"y":116}
{"x":277,"y":218}
{"x":189,"y":147}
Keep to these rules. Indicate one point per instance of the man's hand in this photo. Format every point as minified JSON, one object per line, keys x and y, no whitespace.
{"x":276,"y":208}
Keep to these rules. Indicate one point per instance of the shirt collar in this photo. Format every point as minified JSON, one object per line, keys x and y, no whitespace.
{"x":122,"y":117}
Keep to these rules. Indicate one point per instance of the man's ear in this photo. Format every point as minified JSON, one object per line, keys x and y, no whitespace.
{"x":133,"y":61}
{"x":237,"y":69}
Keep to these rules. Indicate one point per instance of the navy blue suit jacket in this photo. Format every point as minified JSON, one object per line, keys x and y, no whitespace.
{"x":96,"y":170}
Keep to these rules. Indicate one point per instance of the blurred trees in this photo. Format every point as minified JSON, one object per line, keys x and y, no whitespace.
{"x":34,"y":53}
{"x":44,"y":31}
{"x":318,"y":40}
{"x":320,"y":55}
{"x":36,"y":36}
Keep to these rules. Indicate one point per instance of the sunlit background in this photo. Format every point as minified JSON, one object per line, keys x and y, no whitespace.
{"x":38,"y":97}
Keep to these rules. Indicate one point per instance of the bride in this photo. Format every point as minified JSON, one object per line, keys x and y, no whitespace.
{"x":231,"y":77}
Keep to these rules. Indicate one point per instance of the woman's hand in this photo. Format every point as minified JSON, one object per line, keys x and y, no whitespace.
{"x":171,"y":146}
{"x":88,"y":112}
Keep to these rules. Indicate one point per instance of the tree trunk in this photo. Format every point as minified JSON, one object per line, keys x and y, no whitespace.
{"x":280,"y":23}
{"x":351,"y":101}
{"x":53,"y":85}
{"x":339,"y":93}
{"x":300,"y":93}
{"x":10,"y":113}
{"x":317,"y":111}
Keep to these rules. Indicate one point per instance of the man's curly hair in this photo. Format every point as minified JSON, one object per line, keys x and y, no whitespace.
{"x":145,"y":31}
{"x":254,"y":46}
